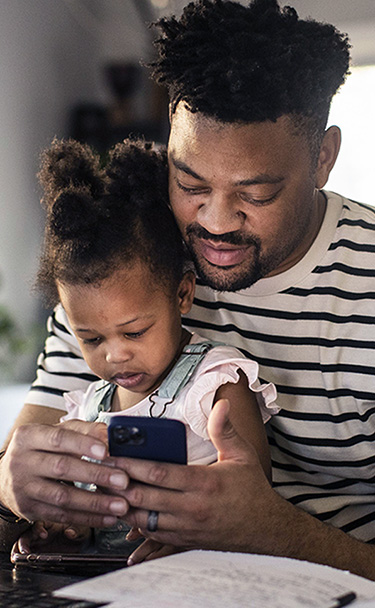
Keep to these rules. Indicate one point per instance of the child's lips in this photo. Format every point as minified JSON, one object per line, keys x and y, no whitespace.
{"x":129,"y":381}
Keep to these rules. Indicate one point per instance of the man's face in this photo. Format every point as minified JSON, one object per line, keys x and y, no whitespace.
{"x":243,"y":195}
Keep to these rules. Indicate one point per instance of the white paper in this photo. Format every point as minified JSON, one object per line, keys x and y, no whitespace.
{"x":212,"y":579}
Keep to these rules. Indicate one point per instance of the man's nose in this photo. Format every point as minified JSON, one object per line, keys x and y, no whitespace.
{"x":219,"y":213}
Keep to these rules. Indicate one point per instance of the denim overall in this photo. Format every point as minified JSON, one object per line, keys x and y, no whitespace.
{"x":113,"y":539}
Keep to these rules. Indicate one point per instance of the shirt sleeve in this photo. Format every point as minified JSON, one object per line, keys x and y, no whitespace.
{"x":220,"y":366}
{"x":60,"y":366}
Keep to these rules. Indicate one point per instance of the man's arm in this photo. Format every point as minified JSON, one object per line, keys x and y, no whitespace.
{"x":231,"y":506}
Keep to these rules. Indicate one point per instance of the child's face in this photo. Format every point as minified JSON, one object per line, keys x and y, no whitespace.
{"x":128,"y":327}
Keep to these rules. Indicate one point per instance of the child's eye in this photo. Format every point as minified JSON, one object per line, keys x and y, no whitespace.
{"x":136,"y":334}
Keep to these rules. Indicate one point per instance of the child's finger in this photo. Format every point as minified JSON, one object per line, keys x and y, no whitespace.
{"x":134,"y":534}
{"x":78,"y":533}
{"x":143,"y":551}
{"x":150,"y":549}
{"x":163,"y":551}
{"x":39,"y":530}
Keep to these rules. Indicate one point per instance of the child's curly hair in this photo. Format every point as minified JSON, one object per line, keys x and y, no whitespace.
{"x":99,"y":219}
{"x":251,"y":63}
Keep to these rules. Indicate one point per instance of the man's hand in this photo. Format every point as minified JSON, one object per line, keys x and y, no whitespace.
{"x":203,"y":506}
{"x":42,"y":462}
{"x":230,"y":506}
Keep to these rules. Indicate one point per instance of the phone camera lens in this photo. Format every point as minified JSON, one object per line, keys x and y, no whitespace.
{"x":121,"y":434}
{"x":136,"y":435}
{"x":129,"y":435}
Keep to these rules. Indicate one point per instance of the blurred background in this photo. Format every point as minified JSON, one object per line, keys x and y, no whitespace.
{"x":71,"y":68}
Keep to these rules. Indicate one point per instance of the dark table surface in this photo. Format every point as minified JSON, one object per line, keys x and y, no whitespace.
{"x":15,"y":577}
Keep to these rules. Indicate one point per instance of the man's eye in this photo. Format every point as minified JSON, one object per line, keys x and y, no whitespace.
{"x":247,"y":198}
{"x":190,"y":189}
{"x":92,"y":341}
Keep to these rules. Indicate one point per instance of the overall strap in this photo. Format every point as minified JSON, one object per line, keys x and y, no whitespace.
{"x":172,"y":385}
{"x":101,"y":401}
{"x":180,"y":374}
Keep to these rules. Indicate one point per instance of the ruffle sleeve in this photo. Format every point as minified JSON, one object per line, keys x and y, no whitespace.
{"x":76,"y":403}
{"x":220,"y":366}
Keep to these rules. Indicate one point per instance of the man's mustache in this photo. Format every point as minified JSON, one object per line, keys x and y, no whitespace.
{"x":233,"y":238}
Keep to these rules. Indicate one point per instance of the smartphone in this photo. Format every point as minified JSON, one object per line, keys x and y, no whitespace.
{"x":161,"y":439}
{"x":76,"y":563}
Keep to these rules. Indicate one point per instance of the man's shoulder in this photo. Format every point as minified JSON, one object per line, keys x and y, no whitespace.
{"x":355,"y":221}
{"x":354,"y":210}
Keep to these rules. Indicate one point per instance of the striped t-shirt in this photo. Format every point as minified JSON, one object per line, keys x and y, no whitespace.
{"x":312,"y":331}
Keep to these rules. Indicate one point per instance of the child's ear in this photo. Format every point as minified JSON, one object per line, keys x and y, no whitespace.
{"x":186,"y":292}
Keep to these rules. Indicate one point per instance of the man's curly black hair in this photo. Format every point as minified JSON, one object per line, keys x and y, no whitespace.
{"x":251,"y":63}
{"x":99,"y":219}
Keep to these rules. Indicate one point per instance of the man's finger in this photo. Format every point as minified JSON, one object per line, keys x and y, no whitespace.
{"x":98,"y":430}
{"x":51,"y":496}
{"x":59,"y":438}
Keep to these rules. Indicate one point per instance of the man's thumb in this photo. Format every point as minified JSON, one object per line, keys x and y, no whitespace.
{"x":229,"y":445}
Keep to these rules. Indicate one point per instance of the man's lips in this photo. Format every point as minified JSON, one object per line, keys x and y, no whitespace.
{"x":222,"y":254}
{"x":128,"y":381}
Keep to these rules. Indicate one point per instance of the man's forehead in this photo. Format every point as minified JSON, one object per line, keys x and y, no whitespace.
{"x":258,"y":152}
{"x":185,"y":122}
{"x":194,"y":134}
{"x":184,"y":119}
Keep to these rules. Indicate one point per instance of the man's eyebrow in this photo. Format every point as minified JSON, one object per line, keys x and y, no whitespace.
{"x":183,"y":167}
{"x":263,"y":178}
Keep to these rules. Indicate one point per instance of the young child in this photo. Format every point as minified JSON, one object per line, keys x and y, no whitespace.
{"x":114,"y":258}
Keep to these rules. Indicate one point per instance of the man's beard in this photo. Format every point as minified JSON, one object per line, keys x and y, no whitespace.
{"x":227,"y":278}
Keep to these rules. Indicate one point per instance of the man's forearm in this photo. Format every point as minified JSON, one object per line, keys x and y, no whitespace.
{"x":297,"y":534}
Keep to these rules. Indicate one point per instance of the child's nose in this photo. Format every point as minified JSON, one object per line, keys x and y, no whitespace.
{"x":118,"y":353}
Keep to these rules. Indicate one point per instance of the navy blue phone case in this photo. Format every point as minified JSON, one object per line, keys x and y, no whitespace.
{"x":161,"y":439}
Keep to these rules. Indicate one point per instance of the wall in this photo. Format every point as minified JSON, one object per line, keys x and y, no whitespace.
{"x":47,"y":64}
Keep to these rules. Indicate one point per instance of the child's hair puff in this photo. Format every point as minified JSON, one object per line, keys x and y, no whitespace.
{"x":101,"y":218}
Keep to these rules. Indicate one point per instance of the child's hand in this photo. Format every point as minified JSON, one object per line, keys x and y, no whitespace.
{"x":149,"y":549}
{"x":52,"y":536}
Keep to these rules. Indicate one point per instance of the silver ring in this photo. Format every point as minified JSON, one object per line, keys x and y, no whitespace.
{"x":152,"y":521}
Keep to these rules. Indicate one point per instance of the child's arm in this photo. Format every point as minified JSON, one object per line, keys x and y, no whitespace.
{"x":246,"y":418}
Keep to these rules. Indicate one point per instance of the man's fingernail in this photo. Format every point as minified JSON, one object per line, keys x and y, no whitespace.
{"x":71,"y":533}
{"x":130,"y":561}
{"x":119,"y":480}
{"x":98,"y":451}
{"x":118,"y":507}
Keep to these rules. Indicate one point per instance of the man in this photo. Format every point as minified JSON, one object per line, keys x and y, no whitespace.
{"x":286,"y":274}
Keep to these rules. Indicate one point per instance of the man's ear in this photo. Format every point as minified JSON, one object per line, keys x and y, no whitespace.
{"x":329,"y":150}
{"x":186,"y":292}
